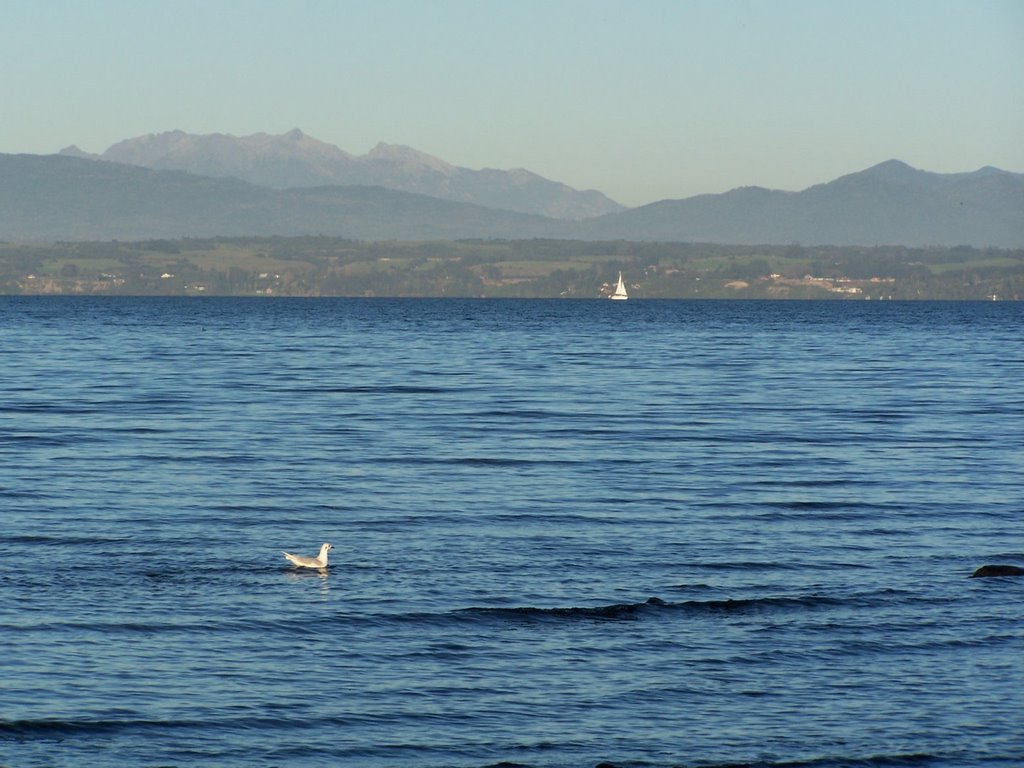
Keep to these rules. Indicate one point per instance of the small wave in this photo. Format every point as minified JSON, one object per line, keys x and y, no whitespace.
{"x":60,"y":727}
{"x":475,"y":461}
{"x":806,"y":504}
{"x":54,"y":727}
{"x":618,"y":612}
{"x":37,"y":407}
{"x":759,"y":604}
{"x":63,"y":539}
{"x":117,"y":627}
{"x":384,"y":389}
{"x":838,"y":761}
{"x":34,"y":494}
{"x":28,"y":441}
{"x":752,"y":565}
{"x":874,"y":761}
{"x":652,"y":606}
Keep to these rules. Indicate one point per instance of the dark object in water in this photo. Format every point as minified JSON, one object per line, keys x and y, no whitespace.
{"x":998,"y":570}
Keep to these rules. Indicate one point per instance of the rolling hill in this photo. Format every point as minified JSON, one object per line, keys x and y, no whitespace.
{"x":888,"y":204}
{"x":51,"y":197}
{"x":61,"y":197}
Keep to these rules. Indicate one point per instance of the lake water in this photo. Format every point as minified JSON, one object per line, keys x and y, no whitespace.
{"x":566,"y":532}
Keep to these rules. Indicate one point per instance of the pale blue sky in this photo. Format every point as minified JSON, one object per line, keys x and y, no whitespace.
{"x":642,"y":99}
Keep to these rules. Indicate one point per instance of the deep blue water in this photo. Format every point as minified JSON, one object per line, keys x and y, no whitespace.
{"x":803,"y":488}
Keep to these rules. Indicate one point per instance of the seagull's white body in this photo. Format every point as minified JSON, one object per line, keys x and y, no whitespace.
{"x":320,"y":561}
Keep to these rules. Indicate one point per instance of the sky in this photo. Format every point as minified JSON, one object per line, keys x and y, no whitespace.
{"x":641,"y":99}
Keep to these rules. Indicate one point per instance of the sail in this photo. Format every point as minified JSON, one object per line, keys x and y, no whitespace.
{"x":620,"y":290}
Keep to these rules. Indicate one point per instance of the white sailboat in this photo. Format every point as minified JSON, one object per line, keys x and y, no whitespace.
{"x":620,"y":291}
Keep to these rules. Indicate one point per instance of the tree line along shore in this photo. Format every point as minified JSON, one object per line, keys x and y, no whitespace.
{"x":329,"y":266}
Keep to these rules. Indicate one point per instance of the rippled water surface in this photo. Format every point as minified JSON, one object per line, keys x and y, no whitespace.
{"x":648,"y":533}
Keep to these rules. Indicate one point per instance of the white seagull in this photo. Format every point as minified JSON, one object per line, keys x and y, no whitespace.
{"x":320,"y":561}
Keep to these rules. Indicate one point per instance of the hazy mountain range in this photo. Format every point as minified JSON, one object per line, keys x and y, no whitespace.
{"x":54,"y":197}
{"x":887,"y":204}
{"x":294,"y":159}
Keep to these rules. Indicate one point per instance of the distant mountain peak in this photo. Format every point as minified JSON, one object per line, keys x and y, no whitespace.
{"x":892,"y":170}
{"x":750,"y":191}
{"x":990,"y":170}
{"x":890,"y":166}
{"x":295,"y":159}
{"x":888,"y":172}
{"x":73,"y":150}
